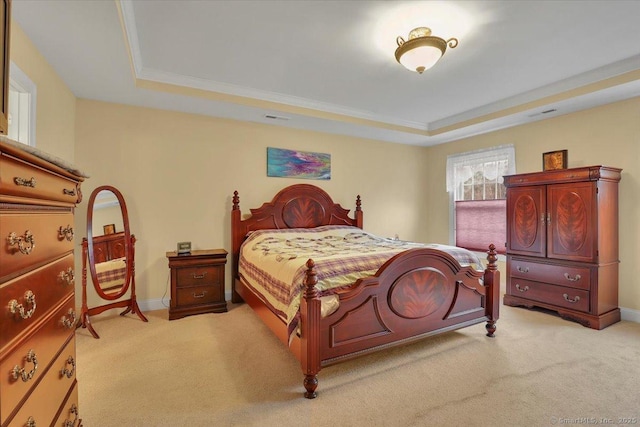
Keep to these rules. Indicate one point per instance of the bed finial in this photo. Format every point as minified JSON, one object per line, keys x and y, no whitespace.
{"x":492,"y":257}
{"x":358,"y":203}
{"x":310,"y":280}
{"x":236,"y":201}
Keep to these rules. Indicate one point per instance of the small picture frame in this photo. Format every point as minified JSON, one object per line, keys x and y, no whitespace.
{"x":553,"y":160}
{"x":109,"y":229}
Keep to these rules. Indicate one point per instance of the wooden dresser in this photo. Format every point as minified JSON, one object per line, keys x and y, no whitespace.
{"x":37,"y":298}
{"x":562,"y":243}
{"x":197,"y":282}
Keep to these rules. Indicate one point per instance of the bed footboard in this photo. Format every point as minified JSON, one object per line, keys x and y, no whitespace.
{"x":417,"y":293}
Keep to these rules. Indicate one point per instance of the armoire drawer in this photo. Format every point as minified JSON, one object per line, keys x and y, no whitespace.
{"x":563,"y":275}
{"x":33,"y":237}
{"x":561,"y":296}
{"x":45,"y":401}
{"x":23,"y":179}
{"x":30,"y":296}
{"x":40,"y":348}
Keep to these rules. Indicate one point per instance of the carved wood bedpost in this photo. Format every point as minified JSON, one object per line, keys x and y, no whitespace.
{"x":358,"y":212}
{"x":236,"y":241}
{"x":492,"y":280}
{"x":310,"y":332}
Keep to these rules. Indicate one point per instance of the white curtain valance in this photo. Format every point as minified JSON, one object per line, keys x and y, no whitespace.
{"x":473,"y":158}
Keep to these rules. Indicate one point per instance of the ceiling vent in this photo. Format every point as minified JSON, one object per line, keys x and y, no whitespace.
{"x":274,"y":117}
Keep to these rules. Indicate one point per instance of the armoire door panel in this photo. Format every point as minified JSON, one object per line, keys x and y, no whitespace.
{"x":526,"y":212}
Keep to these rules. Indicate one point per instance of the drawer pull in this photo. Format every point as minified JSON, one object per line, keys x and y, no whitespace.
{"x":199,"y":276}
{"x":68,"y":372}
{"x":71,"y":321}
{"x":522,"y":269}
{"x":65,"y":233}
{"x":22,"y":242}
{"x":29,"y":299}
{"x":572,"y":279}
{"x":19,"y":372}
{"x":199,"y":295}
{"x":25,"y":182}
{"x":71,"y":192}
{"x":30,"y":422}
{"x":73,"y":411}
{"x":573,"y":301}
{"x":521,"y":289}
{"x":67,"y":276}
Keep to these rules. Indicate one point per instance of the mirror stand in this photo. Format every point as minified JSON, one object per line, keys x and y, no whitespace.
{"x":109,"y":257}
{"x":131,"y":304}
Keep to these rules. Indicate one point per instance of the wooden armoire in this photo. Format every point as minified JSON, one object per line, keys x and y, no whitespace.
{"x":562,"y":243}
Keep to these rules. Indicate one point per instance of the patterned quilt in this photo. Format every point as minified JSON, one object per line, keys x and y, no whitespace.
{"x":111,"y":274}
{"x":272,"y":262}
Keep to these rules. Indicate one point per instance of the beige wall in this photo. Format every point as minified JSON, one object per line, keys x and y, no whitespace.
{"x":607,"y":135}
{"x":177,"y":173}
{"x":56,"y":104}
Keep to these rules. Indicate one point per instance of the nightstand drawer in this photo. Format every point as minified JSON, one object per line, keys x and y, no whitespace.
{"x":200,"y":275}
{"x":574,"y":299}
{"x":198,"y":295}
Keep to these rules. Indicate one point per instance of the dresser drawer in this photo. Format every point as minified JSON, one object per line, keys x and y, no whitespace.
{"x":44,"y":344}
{"x":42,"y":236}
{"x":208,"y":275}
{"x":23,"y":179}
{"x":564,"y":275}
{"x":69,"y":412}
{"x":45,"y":401}
{"x":561,"y":296}
{"x":48,"y":286}
{"x":198,"y":295}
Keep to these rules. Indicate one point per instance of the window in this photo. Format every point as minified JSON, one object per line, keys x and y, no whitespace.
{"x":22,"y":107}
{"x":478,"y":197}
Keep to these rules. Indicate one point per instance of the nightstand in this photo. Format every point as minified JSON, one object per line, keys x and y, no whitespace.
{"x":197,"y":282}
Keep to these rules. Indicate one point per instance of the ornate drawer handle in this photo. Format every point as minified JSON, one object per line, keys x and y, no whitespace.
{"x":68,"y":372}
{"x":572,"y":279}
{"x":30,"y":422}
{"x":25,"y":182}
{"x":199,"y":295}
{"x":521,"y":289}
{"x":19,"y":372}
{"x":29,"y":298}
{"x":22,"y":242}
{"x":71,"y":192}
{"x":73,"y":411}
{"x":65,"y":233}
{"x":566,"y":298}
{"x":522,"y":269}
{"x":67,"y":276}
{"x":71,"y":322}
{"x":199,"y":276}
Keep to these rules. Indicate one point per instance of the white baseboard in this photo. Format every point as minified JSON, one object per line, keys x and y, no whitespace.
{"x":630,"y":314}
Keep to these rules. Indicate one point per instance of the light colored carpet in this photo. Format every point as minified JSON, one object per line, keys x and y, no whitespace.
{"x":229,"y":370}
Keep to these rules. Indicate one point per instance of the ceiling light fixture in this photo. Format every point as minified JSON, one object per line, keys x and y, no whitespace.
{"x":422,"y":50}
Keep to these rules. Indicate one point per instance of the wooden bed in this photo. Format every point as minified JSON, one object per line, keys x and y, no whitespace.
{"x":375,"y":312}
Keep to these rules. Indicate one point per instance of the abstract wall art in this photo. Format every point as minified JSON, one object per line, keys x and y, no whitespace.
{"x":298,"y":164}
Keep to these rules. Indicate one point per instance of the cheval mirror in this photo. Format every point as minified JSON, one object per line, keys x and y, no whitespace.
{"x":109,"y":248}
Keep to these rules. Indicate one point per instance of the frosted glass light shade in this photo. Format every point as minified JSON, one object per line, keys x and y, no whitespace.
{"x":422,"y":51}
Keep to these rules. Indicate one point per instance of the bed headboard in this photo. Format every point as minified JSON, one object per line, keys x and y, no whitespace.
{"x":296,"y":206}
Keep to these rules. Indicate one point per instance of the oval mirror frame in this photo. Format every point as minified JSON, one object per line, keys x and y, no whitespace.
{"x":127,"y":244}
